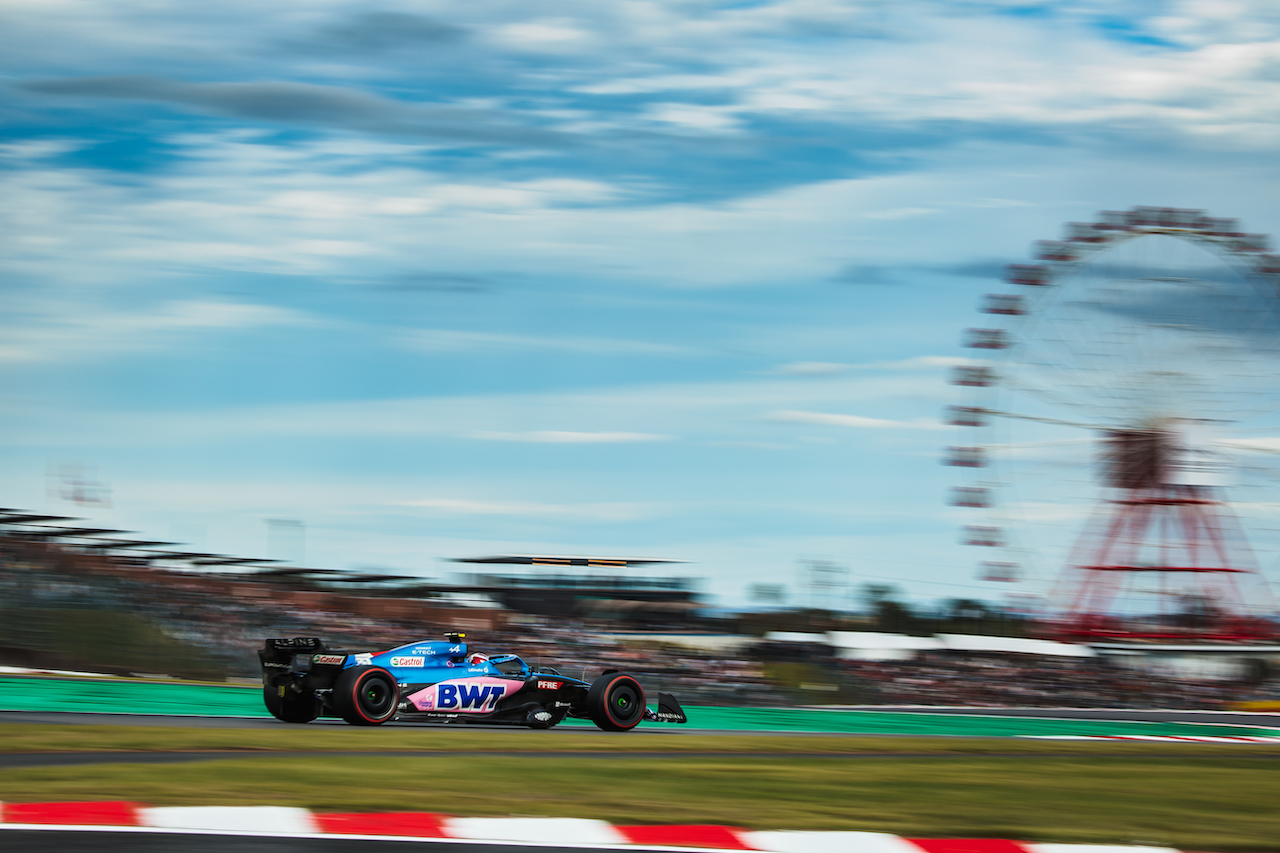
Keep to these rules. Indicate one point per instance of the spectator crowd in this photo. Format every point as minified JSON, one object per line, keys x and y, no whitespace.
{"x":227,"y":629}
{"x":1027,"y":681}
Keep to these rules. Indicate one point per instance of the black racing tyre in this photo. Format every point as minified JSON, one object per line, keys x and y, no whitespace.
{"x":292,"y":707}
{"x":365,"y":695}
{"x":615,"y":702}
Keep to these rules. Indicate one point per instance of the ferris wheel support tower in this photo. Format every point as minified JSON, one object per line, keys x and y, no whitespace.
{"x":1166,"y":524}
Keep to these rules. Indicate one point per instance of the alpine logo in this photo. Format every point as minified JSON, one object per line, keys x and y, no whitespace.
{"x":294,"y":643}
{"x":467,"y":696}
{"x":408,"y":661}
{"x":329,"y":659}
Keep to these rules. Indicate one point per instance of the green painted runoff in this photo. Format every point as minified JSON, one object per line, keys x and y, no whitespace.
{"x":118,"y":696}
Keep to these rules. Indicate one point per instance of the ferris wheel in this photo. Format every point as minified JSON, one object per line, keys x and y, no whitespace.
{"x":1121,"y":429}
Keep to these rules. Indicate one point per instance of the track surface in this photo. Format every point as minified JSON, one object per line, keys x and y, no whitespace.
{"x":10,"y":761}
{"x":67,"y":759}
{"x":110,"y":841}
{"x":1229,"y":718}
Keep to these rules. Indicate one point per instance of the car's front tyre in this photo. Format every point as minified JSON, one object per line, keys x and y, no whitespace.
{"x":615,"y":702}
{"x":365,"y":695}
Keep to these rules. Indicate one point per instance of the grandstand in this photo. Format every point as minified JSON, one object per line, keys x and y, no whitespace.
{"x":87,"y":599}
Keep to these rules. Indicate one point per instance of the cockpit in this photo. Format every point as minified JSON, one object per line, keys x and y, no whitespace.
{"x":510,"y":665}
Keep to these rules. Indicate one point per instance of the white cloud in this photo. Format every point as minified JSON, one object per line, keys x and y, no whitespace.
{"x":663,"y":83}
{"x":812,"y":368}
{"x":848,"y":62}
{"x":1036,"y":512}
{"x":830,"y":368}
{"x":566,"y":437}
{"x":1256,"y":509}
{"x":692,"y":117}
{"x":1264,"y":445}
{"x":466,"y":506}
{"x":455,"y":340}
{"x":1071,"y":451}
{"x":922,"y":362}
{"x":37,"y":149}
{"x":902,"y":213}
{"x":696,"y":412}
{"x":542,"y":36}
{"x":58,"y":333}
{"x":853,"y":421}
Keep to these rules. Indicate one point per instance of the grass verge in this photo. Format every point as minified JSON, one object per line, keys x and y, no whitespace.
{"x":1214,"y":803}
{"x":22,"y":737}
{"x":1200,"y":797}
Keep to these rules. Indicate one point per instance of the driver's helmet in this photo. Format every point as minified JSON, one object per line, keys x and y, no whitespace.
{"x":477,"y":657}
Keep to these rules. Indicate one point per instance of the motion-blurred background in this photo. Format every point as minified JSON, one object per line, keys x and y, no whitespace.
{"x":309,"y":307}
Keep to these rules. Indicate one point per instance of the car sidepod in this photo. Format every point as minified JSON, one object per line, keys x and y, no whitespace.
{"x":477,"y":694}
{"x":537,"y":701}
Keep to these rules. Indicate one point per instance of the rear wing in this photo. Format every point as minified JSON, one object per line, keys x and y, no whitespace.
{"x":279,"y":653}
{"x":295,"y":644}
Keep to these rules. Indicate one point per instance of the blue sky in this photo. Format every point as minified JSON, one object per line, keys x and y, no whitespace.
{"x":674,"y":279}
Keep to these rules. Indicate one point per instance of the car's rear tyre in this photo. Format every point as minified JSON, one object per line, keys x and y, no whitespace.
{"x":615,"y":702}
{"x":292,"y":707}
{"x":365,"y":696}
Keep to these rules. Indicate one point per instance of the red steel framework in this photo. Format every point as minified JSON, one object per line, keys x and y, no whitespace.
{"x":1176,"y":542}
{"x":1185,"y":540}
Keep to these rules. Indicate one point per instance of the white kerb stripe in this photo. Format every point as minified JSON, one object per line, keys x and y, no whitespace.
{"x":236,"y":818}
{"x":562,"y":830}
{"x":828,"y":842}
{"x":1096,"y":848}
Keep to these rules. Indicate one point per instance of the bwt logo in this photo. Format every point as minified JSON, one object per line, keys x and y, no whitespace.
{"x":463,"y":696}
{"x":468,"y":697}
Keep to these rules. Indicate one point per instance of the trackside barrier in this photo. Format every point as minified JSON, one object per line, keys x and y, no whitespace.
{"x":578,"y":832}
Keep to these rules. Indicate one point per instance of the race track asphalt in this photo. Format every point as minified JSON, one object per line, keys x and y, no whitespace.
{"x":1231,"y":718}
{"x":127,"y":841}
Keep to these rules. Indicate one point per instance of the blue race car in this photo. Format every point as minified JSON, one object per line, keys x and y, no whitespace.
{"x":440,"y":681}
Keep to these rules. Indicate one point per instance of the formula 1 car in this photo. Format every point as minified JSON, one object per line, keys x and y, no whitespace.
{"x":439,"y":681}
